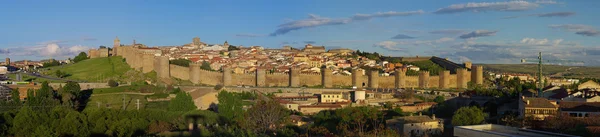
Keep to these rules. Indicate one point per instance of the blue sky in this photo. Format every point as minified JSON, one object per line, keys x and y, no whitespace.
{"x":478,"y":31}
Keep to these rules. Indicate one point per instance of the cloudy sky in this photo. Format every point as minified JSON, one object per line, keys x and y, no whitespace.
{"x":478,"y":31}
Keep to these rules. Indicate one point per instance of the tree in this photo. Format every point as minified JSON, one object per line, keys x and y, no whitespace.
{"x":230,"y":106}
{"x":206,"y":66}
{"x":15,"y":96}
{"x":468,"y":116}
{"x":439,"y":99}
{"x":182,"y":102}
{"x":51,"y":63}
{"x":231,"y":47}
{"x":181,"y":62}
{"x":265,"y":116}
{"x":81,"y":57}
{"x":44,"y":131}
{"x":113,"y":83}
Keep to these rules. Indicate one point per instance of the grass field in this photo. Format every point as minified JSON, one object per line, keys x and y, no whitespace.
{"x":115,"y":101}
{"x":26,"y":77}
{"x":131,"y":88}
{"x":564,"y":71}
{"x":93,"y":70}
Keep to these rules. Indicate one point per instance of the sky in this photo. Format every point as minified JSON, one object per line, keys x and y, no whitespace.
{"x":478,"y":31}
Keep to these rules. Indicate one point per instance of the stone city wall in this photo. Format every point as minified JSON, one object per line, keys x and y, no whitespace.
{"x":243,"y":79}
{"x":341,"y":80}
{"x":149,"y":62}
{"x":277,"y":80}
{"x":210,"y":77}
{"x":310,"y":79}
{"x":179,"y":72}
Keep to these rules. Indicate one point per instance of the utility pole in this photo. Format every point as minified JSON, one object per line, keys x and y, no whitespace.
{"x":541,"y":84}
{"x":138,"y":104}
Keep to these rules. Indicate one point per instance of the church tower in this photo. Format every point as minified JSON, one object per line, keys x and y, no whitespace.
{"x":226,"y":45}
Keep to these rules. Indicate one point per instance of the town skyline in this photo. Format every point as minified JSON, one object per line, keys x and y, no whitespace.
{"x":479,"y":31}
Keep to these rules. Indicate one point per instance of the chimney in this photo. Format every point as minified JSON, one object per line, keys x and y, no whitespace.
{"x":433,"y":116}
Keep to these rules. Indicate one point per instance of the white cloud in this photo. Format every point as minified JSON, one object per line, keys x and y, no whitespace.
{"x":389,"y":45}
{"x":316,"y":21}
{"x":579,"y":29}
{"x":488,"y":6}
{"x":478,"y":33}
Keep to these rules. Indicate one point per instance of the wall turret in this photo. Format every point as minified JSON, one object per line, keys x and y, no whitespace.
{"x":444,"y":79}
{"x":477,"y":75}
{"x":400,"y":78}
{"x":326,"y":75}
{"x":374,"y":78}
{"x":461,"y":78}
{"x":357,"y":78}
{"x":261,"y":77}
{"x":161,"y":66}
{"x":423,"y":79}
{"x":226,"y":76}
{"x":195,"y":73}
{"x":294,"y":77}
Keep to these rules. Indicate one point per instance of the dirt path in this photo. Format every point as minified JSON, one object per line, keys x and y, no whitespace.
{"x":129,"y":93}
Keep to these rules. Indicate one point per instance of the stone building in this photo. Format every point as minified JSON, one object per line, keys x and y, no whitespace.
{"x":416,"y":125}
{"x":313,"y":49}
{"x":538,"y":108}
{"x":341,"y":52}
{"x":328,"y":97}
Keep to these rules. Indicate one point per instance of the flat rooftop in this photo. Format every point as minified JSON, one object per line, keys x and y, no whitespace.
{"x":491,"y":130}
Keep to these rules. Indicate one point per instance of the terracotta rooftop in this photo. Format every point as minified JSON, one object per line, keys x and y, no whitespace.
{"x":321,"y":106}
{"x":538,"y":103}
{"x":291,"y":97}
{"x":579,"y":106}
{"x":412,"y":119}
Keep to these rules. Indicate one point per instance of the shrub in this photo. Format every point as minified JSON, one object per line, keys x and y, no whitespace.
{"x":113,"y":83}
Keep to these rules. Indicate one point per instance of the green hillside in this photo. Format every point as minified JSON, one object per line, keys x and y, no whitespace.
{"x":553,"y":70}
{"x":94,"y":70}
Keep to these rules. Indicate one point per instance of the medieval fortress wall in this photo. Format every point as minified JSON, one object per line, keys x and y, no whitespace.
{"x":148,"y":59}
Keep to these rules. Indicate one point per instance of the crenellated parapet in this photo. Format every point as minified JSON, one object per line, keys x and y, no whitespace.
{"x":423,"y":79}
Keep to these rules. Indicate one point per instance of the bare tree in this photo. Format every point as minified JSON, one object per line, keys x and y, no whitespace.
{"x":265,"y":116}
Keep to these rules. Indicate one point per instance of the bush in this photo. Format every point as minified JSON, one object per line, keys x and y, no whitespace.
{"x":218,"y":87}
{"x":113,"y":83}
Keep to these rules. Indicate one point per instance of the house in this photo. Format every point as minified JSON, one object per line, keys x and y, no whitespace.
{"x":538,"y":108}
{"x":289,"y":104}
{"x":417,"y":107}
{"x":312,"y":109}
{"x":492,"y":130}
{"x":589,"y":85}
{"x":300,"y":120}
{"x":579,"y":109}
{"x":328,"y":97}
{"x":341,"y":51}
{"x":416,"y":125}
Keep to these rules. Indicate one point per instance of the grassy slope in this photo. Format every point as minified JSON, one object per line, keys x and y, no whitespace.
{"x":94,"y":70}
{"x":575,"y":72}
{"x":26,"y":77}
